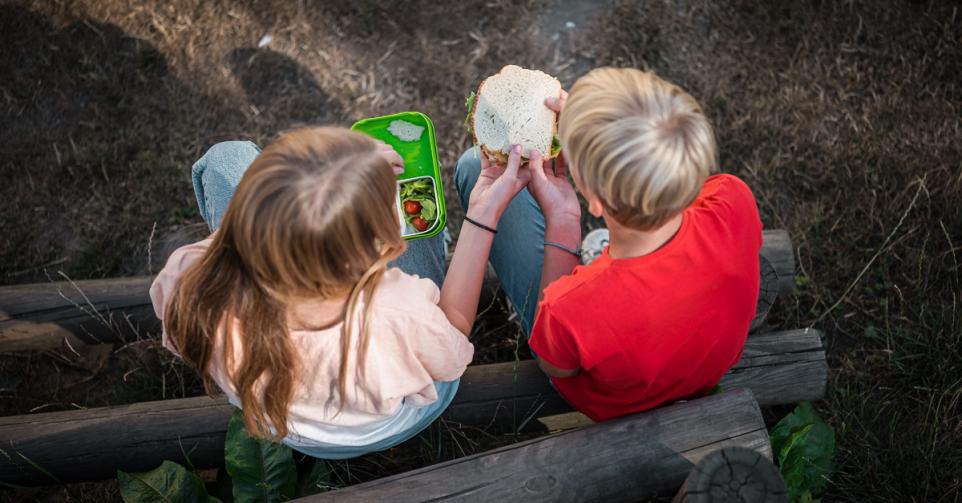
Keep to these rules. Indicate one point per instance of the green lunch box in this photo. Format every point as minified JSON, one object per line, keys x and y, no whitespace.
{"x":412,"y":136}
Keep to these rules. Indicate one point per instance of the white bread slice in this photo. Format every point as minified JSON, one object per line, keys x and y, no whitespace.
{"x":509,"y":109}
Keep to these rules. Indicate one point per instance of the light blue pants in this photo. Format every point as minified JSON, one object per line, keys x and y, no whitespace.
{"x":518,"y":250}
{"x":215,"y":177}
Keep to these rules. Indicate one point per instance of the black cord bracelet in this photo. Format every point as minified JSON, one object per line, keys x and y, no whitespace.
{"x":485,"y":227}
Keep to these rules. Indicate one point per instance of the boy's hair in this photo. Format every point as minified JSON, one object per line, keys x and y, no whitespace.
{"x":313,"y":217}
{"x":638,"y":143}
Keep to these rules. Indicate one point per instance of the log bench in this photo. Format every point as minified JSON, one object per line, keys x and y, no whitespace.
{"x":647,"y":454}
{"x":81,"y":445}
{"x":43,"y":315}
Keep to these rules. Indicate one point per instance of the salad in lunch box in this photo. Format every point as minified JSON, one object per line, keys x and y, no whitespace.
{"x":420,"y":202}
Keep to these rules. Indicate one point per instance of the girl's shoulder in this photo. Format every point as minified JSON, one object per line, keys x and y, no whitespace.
{"x":406,"y":292}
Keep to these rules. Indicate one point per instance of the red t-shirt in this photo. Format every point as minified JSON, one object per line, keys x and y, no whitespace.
{"x":664,"y":326}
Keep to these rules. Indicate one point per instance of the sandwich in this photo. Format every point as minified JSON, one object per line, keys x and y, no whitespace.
{"x":508,"y":108}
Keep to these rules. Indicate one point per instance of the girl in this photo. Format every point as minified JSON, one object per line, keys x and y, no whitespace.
{"x":303,"y":306}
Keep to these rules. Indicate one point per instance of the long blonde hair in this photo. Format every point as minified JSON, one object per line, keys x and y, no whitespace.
{"x":313,"y":217}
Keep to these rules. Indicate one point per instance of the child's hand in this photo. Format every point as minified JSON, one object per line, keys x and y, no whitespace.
{"x":391,"y":156}
{"x":496,"y":187}
{"x":557,"y":104}
{"x":551,"y":189}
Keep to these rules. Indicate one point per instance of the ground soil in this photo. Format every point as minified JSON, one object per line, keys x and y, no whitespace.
{"x":843,"y":117}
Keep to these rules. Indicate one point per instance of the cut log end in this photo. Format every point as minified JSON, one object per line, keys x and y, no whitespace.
{"x":736,"y":475}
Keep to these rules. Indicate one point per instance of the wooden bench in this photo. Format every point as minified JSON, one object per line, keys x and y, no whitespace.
{"x":44,"y":315}
{"x":628,"y":459}
{"x":778,"y":368}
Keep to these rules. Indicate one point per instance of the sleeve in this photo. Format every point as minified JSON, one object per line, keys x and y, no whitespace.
{"x":746,"y":209}
{"x":552,"y":341}
{"x":730,"y":197}
{"x":442,"y":349}
{"x":162,"y":289}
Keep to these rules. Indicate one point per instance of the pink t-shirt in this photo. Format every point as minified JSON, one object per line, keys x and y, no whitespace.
{"x":412,"y":344}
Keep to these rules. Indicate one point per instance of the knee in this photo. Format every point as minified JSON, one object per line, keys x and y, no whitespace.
{"x":467,"y":170}
{"x":233,"y":152}
{"x":228,"y":159}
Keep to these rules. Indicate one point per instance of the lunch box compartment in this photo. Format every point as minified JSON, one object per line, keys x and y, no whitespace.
{"x":412,"y":136}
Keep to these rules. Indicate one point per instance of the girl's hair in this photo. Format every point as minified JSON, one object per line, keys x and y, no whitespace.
{"x":637,"y":142}
{"x":313,"y":217}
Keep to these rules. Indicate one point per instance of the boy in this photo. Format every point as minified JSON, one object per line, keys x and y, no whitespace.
{"x":664,"y":311}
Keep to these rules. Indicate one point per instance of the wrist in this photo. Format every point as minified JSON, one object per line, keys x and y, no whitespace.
{"x":484,"y":215}
{"x":563,"y":216}
{"x":566,"y":232}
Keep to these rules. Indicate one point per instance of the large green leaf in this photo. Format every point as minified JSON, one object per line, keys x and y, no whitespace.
{"x":262,"y":471}
{"x":169,"y":482}
{"x":804,"y":447}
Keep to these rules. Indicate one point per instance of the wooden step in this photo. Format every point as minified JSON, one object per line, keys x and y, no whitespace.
{"x":44,"y":315}
{"x":79,"y":445}
{"x":629,"y":459}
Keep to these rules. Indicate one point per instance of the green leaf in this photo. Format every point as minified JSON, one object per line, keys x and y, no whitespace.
{"x":169,"y":482}
{"x":222,"y":487}
{"x":469,"y":104}
{"x":262,"y":470}
{"x":422,"y":187}
{"x":429,"y":210}
{"x":314,"y":476}
{"x":804,"y":447}
{"x":555,"y":145}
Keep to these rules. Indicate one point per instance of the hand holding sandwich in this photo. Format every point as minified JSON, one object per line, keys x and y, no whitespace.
{"x":551,"y":189}
{"x":496,"y":187}
{"x":559,"y":203}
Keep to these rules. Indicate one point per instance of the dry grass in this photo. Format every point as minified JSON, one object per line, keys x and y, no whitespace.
{"x":844,"y":118}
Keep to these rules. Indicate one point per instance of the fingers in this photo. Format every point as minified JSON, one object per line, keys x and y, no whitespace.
{"x":524,"y":176}
{"x":397,"y":163}
{"x":537,"y":167}
{"x":557,"y":104}
{"x":391,"y":156}
{"x":535,"y":161}
{"x":514,"y":161}
{"x":487,"y":168}
{"x":560,"y":166}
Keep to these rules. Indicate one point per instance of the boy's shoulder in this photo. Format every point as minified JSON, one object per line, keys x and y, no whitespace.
{"x":583,"y":280}
{"x":724,"y":198}
{"x":724,"y":190}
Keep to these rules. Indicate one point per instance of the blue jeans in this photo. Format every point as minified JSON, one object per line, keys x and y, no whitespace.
{"x":215,"y":177}
{"x":517,"y":254}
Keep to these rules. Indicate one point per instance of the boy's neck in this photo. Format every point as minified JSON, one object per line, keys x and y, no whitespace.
{"x":625,"y":242}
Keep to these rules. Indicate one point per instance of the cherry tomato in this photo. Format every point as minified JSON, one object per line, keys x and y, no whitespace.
{"x":420,"y":224}
{"x":412,"y":207}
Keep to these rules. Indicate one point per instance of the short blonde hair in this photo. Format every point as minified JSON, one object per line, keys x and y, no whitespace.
{"x":640,"y":144}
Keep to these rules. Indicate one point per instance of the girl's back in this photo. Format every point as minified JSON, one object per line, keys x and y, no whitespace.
{"x":290,"y":307}
{"x":411,"y":346}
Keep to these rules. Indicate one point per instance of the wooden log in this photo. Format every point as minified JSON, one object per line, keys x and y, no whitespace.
{"x":43,"y":315}
{"x":733,"y":474}
{"x":629,"y":459}
{"x":91,"y":444}
{"x":777,"y":248}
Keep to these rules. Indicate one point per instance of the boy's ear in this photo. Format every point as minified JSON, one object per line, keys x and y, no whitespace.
{"x":595,"y":207}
